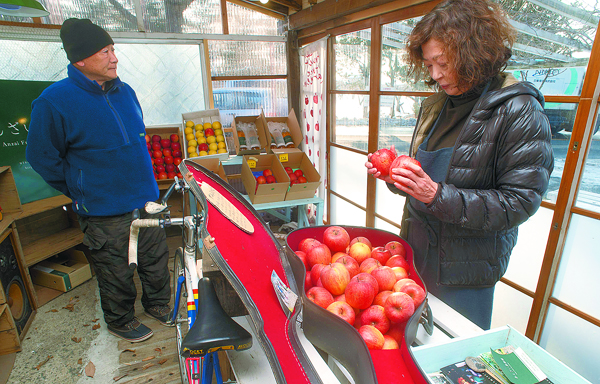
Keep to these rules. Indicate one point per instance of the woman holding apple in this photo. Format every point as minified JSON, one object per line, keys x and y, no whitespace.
{"x":483,"y":150}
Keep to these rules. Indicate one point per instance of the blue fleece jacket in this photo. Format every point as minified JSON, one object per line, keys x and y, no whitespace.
{"x":89,"y":144}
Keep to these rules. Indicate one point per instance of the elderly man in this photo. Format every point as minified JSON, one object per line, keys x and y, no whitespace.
{"x":86,"y":139}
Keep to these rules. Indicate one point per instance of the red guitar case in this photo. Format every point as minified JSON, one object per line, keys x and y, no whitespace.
{"x":247,"y":260}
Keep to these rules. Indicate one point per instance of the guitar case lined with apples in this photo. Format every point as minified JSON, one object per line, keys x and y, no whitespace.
{"x":248,"y":259}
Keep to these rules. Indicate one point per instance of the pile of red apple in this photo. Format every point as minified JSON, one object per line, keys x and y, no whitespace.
{"x":266,"y":177}
{"x":367,"y":286}
{"x":165,"y":154}
{"x":296,"y":177}
{"x":385,"y":159}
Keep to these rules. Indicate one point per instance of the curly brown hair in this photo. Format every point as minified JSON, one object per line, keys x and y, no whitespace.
{"x":477,"y":37}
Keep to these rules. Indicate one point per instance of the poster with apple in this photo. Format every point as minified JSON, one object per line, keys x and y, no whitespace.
{"x":15,"y":98}
{"x":313,"y":63}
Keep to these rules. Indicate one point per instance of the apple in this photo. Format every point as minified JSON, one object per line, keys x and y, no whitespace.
{"x":372,"y":337}
{"x":350,"y":263}
{"x":170,"y":168}
{"x":318,"y":255}
{"x":289,"y":170}
{"x":337,"y":255}
{"x":382,"y":160}
{"x":306,"y":244}
{"x":167,"y":152}
{"x":156,"y":138}
{"x":159,"y":161}
{"x":381,"y":254}
{"x":368,"y":265}
{"x":148,"y":138}
{"x":302,"y":180}
{"x":203,"y":147}
{"x":149,"y":146}
{"x":271,"y":179}
{"x":381,"y":297}
{"x":162,"y":175}
{"x":170,"y":175}
{"x":165,"y":143}
{"x":415,"y":291}
{"x":177,"y":161}
{"x":405,"y":280}
{"x":359,"y":293}
{"x":396,"y":331}
{"x":375,"y":316}
{"x":293,"y":177}
{"x":177,"y":153}
{"x":176,"y":146}
{"x":370,"y":279}
{"x":267,"y":172}
{"x":335,"y":277}
{"x":357,"y":323}
{"x":320,"y":296}
{"x":174,"y":138}
{"x":386,"y":278}
{"x":343,"y":310}
{"x":315,"y":273}
{"x":336,"y":238}
{"x":209,"y":132}
{"x":400,"y":273}
{"x":261,"y":180}
{"x":156,"y":146}
{"x":399,"y":307}
{"x":396,"y":248}
{"x":168,"y":159}
{"x":307,"y":283}
{"x":389,"y":342}
{"x":402,"y":161}
{"x":397,"y":261}
{"x":160,"y":168}
{"x":302,"y":256}
{"x":298,"y":173}
{"x":360,"y":252}
{"x":361,"y":239}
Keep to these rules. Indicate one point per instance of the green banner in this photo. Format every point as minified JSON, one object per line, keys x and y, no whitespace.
{"x":15,"y":113}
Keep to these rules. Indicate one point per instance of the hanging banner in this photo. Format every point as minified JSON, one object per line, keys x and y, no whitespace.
{"x":313,"y":64}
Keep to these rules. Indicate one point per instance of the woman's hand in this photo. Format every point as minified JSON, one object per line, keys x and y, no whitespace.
{"x":412,"y":180}
{"x":373,"y":171}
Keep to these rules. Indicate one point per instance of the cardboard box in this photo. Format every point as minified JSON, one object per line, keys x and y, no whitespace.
{"x":63,"y":272}
{"x":264,"y":193}
{"x":214,"y":165}
{"x":165,"y":132}
{"x":292,"y":123}
{"x":261,"y":131}
{"x":299,"y":160}
{"x":201,"y":117}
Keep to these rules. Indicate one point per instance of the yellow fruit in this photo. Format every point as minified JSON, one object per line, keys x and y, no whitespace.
{"x":221,"y":145}
{"x":188,"y":130}
{"x":222,"y":150}
{"x":207,"y":125}
{"x":199,"y":127}
{"x":213,"y":146}
{"x":201,"y":140}
{"x":220,"y":139}
{"x":218,"y":132}
{"x":191,"y":149}
{"x":190,"y":136}
{"x":192,"y":154}
{"x":189,"y":123}
{"x":203,"y":153}
{"x":212,"y":152}
{"x":199,"y":134}
{"x":192,"y":143}
{"x":211,"y":139}
{"x":216,"y":125}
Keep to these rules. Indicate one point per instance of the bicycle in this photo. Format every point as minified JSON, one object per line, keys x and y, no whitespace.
{"x":202,"y":326}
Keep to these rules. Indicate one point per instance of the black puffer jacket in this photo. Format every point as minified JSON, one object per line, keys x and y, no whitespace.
{"x":498,"y":173}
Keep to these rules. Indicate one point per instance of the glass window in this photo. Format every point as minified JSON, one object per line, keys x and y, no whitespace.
{"x":388,"y":204}
{"x":247,"y":58}
{"x":352,"y":53}
{"x":562,"y":118}
{"x":351,"y":121}
{"x":244,"y":21}
{"x":397,"y":120}
{"x":384,"y":225}
{"x":510,"y":307}
{"x":249,"y":98}
{"x":199,"y":16}
{"x":588,"y":196}
{"x":348,"y":176}
{"x":344,"y":213}
{"x":32,"y":60}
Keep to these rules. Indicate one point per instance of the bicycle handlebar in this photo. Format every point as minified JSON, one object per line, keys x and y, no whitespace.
{"x":133,"y":237}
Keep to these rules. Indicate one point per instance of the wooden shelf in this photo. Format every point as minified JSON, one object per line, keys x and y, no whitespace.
{"x":43,"y":205}
{"x":51,"y":245}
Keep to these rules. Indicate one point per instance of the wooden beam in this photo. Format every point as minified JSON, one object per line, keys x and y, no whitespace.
{"x":270,"y":9}
{"x":373,"y":140}
{"x":293,"y":65}
{"x":29,"y":25}
{"x":224,"y":18}
{"x":289,"y":3}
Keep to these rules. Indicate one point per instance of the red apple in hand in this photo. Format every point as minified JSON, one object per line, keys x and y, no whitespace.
{"x":359,"y":293}
{"x":375,"y":316}
{"x":415,"y":291}
{"x":399,"y":307}
{"x":372,"y":337}
{"x":319,"y":254}
{"x":336,"y":238}
{"x":386,"y":278}
{"x":382,"y":160}
{"x":402,"y":160}
{"x":343,"y":310}
{"x":381,"y":254}
{"x":320,"y":296}
{"x":396,"y":248}
{"x":335,"y":277}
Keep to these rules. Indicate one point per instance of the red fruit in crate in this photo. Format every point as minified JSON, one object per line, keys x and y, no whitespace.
{"x":359,"y":293}
{"x":397,"y":261}
{"x":335,"y":277}
{"x":157,"y":154}
{"x":381,"y":254}
{"x":320,"y":296}
{"x":415,"y":291}
{"x":209,"y":132}
{"x":175,"y":146}
{"x":293,"y":177}
{"x":298,"y":173}
{"x":156,"y":146}
{"x":343,"y":310}
{"x":336,"y":238}
{"x":372,"y":336}
{"x":165,"y":143}
{"x":369,"y":265}
{"x":162,"y":175}
{"x":396,"y":248}
{"x":294,"y":182}
{"x":170,"y":175}
{"x":315,"y":272}
{"x":267,"y":172}
{"x":382,"y":159}
{"x":159,"y":161}
{"x":399,"y":307}
{"x":179,"y":175}
{"x":203,"y":147}
{"x":271,"y":179}
{"x":148,"y":139}
{"x":289,"y":170}
{"x":177,"y":153}
{"x":160,"y":168}
{"x":302,"y":257}
{"x":168,"y":160}
{"x":170,"y":168}
{"x":361,"y":239}
{"x":177,"y":160}
{"x":149,"y":146}
{"x":174,"y":138}
{"x":402,"y":161}
{"x":302,"y":180}
{"x":318,"y":255}
{"x":261,"y":180}
{"x":166,"y":152}
{"x":307,"y":244}
{"x":375,"y":316}
{"x":156,"y":138}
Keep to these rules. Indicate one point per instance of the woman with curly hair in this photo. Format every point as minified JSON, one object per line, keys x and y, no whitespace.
{"x":485,"y":152}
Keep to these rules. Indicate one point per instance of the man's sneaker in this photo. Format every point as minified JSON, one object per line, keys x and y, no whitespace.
{"x":133,"y":331}
{"x":162,"y":313}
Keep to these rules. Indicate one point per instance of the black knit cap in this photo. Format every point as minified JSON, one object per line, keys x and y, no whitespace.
{"x":81,"y":38}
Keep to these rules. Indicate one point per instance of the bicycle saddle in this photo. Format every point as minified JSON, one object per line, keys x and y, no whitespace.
{"x":213,"y":329}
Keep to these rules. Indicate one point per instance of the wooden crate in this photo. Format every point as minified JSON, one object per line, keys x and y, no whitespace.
{"x":9,"y":337}
{"x":9,"y":198}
